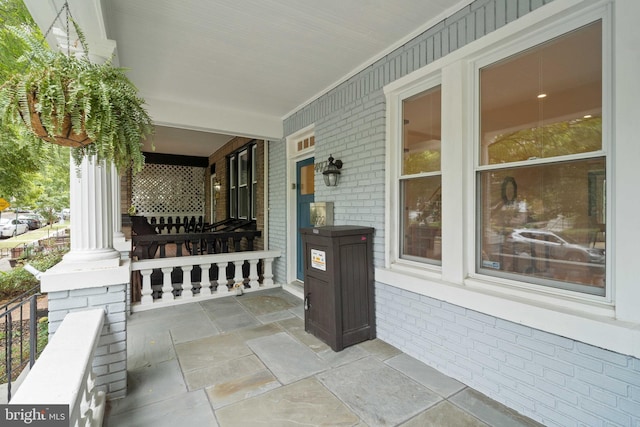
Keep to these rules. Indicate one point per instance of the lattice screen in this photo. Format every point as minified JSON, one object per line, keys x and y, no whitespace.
{"x":168,"y":189}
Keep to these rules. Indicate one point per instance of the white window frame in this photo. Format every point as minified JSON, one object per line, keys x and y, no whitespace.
{"x":394,"y":165}
{"x":253,"y":177}
{"x":586,"y":318}
{"x":502,"y":52}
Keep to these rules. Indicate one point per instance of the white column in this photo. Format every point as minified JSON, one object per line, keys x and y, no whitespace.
{"x":120,"y":242}
{"x":91,"y":213}
{"x":115,"y":196}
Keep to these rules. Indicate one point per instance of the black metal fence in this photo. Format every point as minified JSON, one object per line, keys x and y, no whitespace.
{"x":19,"y":330}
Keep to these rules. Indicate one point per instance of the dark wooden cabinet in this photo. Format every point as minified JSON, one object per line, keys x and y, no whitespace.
{"x":339,"y":284}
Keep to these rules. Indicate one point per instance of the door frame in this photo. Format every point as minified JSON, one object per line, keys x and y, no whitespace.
{"x":293,"y":157}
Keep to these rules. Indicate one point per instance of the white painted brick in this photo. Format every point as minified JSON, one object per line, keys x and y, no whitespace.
{"x":555,"y":377}
{"x":113,"y":338}
{"x":554,"y":364}
{"x":588,"y":412}
{"x":57,"y":295}
{"x":561,"y":393}
{"x":513,"y":327}
{"x":625,"y":375}
{"x":117,"y":389}
{"x":555,"y":340}
{"x":604,"y":355}
{"x":118,"y":347}
{"x":483,"y":360}
{"x":603,"y":382}
{"x":68,"y":303}
{"x":521,"y":400}
{"x":118,"y":366}
{"x":515,"y":350}
{"x":109,"y":359}
{"x":470,"y":324}
{"x":88,"y":292}
{"x":631,"y":408}
{"x":553,"y":418}
{"x":111,"y":377}
{"x":580,"y":387}
{"x":604,"y":397}
{"x":536,"y":346}
{"x":518,"y":374}
{"x":106,"y":298}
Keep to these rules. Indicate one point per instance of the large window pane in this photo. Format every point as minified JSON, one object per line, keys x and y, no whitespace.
{"x":544,"y":102}
{"x":421,"y":132}
{"x":421,"y":219}
{"x":545,"y":224}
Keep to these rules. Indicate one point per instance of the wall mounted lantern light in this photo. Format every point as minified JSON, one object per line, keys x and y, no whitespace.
{"x":332,"y":172}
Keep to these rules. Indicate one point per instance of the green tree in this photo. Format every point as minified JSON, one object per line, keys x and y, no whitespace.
{"x":32,"y":176}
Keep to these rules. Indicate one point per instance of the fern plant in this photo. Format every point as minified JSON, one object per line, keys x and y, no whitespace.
{"x":68,"y":100}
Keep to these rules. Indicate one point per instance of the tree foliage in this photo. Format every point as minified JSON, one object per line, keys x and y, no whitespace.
{"x":17,"y":162}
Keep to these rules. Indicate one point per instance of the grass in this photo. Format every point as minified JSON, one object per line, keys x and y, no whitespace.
{"x":32,"y":235}
{"x":20,"y":347}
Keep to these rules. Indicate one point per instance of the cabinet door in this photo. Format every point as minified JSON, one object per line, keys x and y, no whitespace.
{"x":320,"y":313}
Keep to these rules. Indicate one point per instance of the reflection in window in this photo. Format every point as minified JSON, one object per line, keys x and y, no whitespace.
{"x":422,"y":219}
{"x":545,"y":102}
{"x":421,"y":222}
{"x":543,"y":221}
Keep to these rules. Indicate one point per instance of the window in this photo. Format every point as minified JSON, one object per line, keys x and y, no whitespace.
{"x":420,"y":183}
{"x":243,"y":183}
{"x":233,"y":187}
{"x":254,"y":182}
{"x":541,"y":166}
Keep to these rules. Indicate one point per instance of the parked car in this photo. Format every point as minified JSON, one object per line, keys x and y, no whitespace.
{"x":66,"y":213}
{"x":12,"y":227}
{"x":34,"y":221}
{"x":549,"y":244}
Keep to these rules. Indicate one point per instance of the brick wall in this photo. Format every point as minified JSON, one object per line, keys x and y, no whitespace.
{"x":110,"y":363}
{"x":278,"y":207}
{"x":549,"y":378}
{"x":219,"y":158}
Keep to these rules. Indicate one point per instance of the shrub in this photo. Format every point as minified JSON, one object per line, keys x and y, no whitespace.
{"x":19,"y":280}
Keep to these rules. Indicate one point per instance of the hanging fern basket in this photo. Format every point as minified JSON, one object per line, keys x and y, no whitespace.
{"x":68,"y":136}
{"x":65,"y":99}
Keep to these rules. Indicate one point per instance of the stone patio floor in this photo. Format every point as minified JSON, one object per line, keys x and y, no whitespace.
{"x":247,"y":361}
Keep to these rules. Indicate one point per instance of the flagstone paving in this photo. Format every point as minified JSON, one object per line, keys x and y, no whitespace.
{"x":247,"y":361}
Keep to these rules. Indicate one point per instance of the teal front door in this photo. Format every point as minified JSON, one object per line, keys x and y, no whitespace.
{"x":304,"y":197}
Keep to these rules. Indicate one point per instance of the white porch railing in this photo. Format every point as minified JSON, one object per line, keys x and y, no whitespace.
{"x":63,"y":375}
{"x":168,"y":293}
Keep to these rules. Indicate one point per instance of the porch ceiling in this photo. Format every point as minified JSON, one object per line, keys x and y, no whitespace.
{"x":239,"y":67}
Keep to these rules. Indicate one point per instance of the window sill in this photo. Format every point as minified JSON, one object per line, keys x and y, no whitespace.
{"x":585,"y":321}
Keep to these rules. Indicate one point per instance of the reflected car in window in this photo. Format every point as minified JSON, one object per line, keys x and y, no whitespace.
{"x":548,"y":244}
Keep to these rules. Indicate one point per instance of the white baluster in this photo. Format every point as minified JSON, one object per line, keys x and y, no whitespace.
{"x":238,"y":278}
{"x":167,"y":286}
{"x":187,"y":286}
{"x":205,"y":283}
{"x":146,"y":298}
{"x":268,"y":272}
{"x":222,"y":276}
{"x":253,"y":273}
